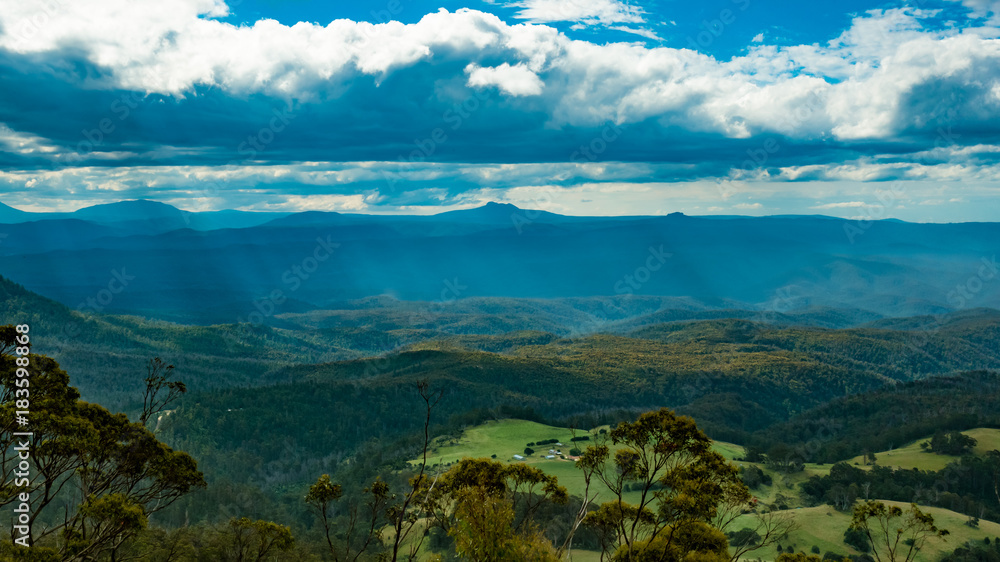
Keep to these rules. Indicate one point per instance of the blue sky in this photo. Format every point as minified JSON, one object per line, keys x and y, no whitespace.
{"x":591,"y":107}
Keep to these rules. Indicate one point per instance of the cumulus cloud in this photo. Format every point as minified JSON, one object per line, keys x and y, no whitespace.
{"x":858,"y":86}
{"x":515,"y":80}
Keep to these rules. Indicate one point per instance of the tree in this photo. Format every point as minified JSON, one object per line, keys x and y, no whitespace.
{"x":118,"y":471}
{"x":993,"y":458}
{"x":754,"y":477}
{"x":255,"y":541}
{"x":753,"y":454}
{"x":893,"y":534}
{"x":768,"y":527}
{"x":361,"y":531}
{"x":321,"y":496}
{"x":681,"y":484}
{"x":953,"y":443}
{"x":484,"y":530}
{"x":160,"y":391}
{"x":744,"y":537}
{"x":842,"y":497}
{"x":870,"y":458}
{"x":857,"y":539}
{"x":402,"y":515}
{"x":524,"y":487}
{"x":783,"y":458}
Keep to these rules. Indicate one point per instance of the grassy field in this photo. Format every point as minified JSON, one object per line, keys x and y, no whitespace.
{"x":820,"y":526}
{"x":506,"y":438}
{"x":912,"y":456}
{"x":824,"y":527}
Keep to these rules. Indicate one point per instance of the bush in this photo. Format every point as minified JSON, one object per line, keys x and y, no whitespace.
{"x":581,"y":438}
{"x":856,"y":538}
{"x":528,"y":451}
{"x":814,"y":549}
{"x":753,"y":454}
{"x":744,"y":537}
{"x":574,"y":452}
{"x":753,"y":477}
{"x":952,"y":443}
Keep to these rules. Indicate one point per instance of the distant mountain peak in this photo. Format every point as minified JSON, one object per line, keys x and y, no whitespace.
{"x":146,"y":204}
{"x":10,"y":214}
{"x":10,"y":209}
{"x":490,"y":211}
{"x":491,"y":207}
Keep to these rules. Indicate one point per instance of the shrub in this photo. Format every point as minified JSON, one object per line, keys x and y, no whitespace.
{"x":744,"y":537}
{"x":857,"y":539}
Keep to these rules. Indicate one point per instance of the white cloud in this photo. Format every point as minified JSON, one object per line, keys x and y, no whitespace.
{"x":588,"y":12}
{"x":854,"y":87}
{"x":841,"y":205}
{"x":26,"y":144}
{"x":983,"y":8}
{"x":360,"y":187}
{"x":647,"y":33}
{"x":759,"y":38}
{"x":515,"y":80}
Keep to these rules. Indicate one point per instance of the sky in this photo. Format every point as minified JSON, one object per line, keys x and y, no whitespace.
{"x":853,"y":109}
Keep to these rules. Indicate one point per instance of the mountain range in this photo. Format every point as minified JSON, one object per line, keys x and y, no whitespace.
{"x":152,"y":259}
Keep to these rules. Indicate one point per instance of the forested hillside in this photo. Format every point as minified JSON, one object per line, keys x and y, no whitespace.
{"x":337,"y":392}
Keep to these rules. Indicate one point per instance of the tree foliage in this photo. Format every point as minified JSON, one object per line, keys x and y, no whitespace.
{"x":895,"y":535}
{"x":681,"y":484}
{"x":96,"y":476}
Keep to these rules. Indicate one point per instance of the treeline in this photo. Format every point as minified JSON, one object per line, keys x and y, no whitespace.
{"x":889,"y":417}
{"x":968,"y":486}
